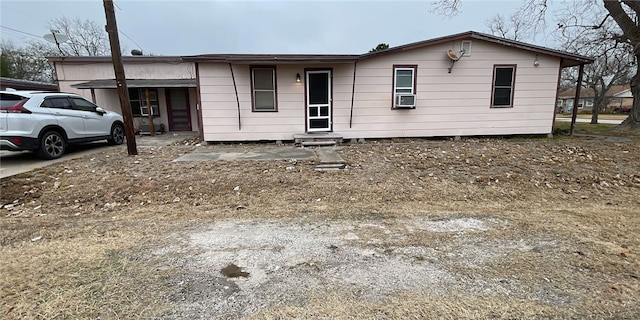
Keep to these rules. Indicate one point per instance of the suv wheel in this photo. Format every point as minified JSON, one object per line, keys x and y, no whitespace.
{"x":52,"y":145}
{"x":117,"y":134}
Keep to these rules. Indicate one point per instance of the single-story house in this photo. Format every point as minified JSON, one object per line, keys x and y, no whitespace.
{"x":587,"y":95}
{"x":459,"y":85}
{"x":20,"y":84}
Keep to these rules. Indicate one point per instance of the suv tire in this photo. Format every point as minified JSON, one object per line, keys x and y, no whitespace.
{"x":117,"y":134}
{"x":52,"y":145}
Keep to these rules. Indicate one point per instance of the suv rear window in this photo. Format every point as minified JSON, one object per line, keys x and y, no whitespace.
{"x":8,"y":100}
{"x":57,"y":103}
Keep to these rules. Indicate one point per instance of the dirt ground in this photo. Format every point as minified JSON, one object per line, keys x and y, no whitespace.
{"x":508,"y":228}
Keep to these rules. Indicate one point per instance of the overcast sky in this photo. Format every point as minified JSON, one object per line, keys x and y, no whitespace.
{"x":197,"y":27}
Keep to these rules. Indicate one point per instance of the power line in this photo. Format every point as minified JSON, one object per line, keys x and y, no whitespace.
{"x":16,"y":30}
{"x":124,"y":34}
{"x":23,"y":14}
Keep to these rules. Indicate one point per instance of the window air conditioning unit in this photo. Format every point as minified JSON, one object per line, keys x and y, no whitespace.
{"x":405,"y":100}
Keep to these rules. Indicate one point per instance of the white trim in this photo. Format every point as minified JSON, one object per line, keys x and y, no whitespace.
{"x":395,"y":78}
{"x":466,"y":53}
{"x":319,"y":106}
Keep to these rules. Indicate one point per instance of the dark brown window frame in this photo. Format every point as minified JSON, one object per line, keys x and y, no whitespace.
{"x":275,"y":87}
{"x":141,"y":99}
{"x":513,"y":84}
{"x":393,"y":82}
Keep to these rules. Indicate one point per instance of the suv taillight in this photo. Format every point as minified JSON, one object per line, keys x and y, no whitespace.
{"x":17,"y":108}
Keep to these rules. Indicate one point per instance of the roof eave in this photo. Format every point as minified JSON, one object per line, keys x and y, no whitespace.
{"x":108,"y":59}
{"x":271,"y":59}
{"x":569,"y":60}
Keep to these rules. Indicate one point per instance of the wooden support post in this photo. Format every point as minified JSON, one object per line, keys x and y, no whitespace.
{"x":150,"y":112}
{"x":121,"y":83}
{"x":574,"y":114}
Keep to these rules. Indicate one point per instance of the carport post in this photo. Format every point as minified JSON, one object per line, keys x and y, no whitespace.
{"x":150,"y":113}
{"x":574,"y":114}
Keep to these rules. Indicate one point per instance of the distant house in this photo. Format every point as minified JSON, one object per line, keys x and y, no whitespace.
{"x":587,"y":95}
{"x":621,"y":102}
{"x":497,"y":87}
{"x":19,"y":84}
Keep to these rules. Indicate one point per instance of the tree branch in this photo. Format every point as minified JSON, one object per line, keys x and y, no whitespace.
{"x":633,"y":4}
{"x":628,"y":26}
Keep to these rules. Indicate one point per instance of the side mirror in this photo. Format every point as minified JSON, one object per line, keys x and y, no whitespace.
{"x":100,"y":110}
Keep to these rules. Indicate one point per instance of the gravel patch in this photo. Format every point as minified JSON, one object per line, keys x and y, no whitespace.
{"x":288,"y":260}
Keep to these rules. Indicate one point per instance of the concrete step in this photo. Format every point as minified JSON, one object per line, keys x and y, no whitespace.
{"x":318,"y":143}
{"x":331,"y":167}
{"x":317,"y":139}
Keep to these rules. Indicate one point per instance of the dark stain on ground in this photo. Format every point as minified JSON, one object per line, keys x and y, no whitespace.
{"x":233,"y":271}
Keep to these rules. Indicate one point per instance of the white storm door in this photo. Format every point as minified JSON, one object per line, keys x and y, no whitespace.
{"x":318,"y":100}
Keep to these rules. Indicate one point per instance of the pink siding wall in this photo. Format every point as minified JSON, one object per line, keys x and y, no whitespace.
{"x":220,"y":108}
{"x":448,"y":104}
{"x":456,"y":103}
{"x":142,"y":70}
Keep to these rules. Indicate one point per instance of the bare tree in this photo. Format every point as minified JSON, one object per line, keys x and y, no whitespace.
{"x":625,"y":14}
{"x":28,"y":63}
{"x":612,"y":65}
{"x":86,"y":37}
{"x":513,"y":27}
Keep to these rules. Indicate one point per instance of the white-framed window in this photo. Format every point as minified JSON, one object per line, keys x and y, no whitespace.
{"x":404,"y":86}
{"x":466,"y":47}
{"x":559,"y":103}
{"x":263,"y":87}
{"x":588,"y":103}
{"x":502,"y":88}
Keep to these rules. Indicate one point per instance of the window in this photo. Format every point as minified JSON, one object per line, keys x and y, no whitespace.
{"x":83,"y":105}
{"x":263,"y":87}
{"x":466,"y":47}
{"x":502,"y":91}
{"x":404,"y":86}
{"x":559,"y":103}
{"x":57,"y":103}
{"x":138,"y":100}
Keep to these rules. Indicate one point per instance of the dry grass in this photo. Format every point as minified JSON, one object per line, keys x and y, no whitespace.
{"x":603,"y":116}
{"x":93,"y":222}
{"x":457,"y":305}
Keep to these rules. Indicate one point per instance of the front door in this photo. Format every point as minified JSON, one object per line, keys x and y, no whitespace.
{"x":318,"y":100}
{"x":178,"y":109}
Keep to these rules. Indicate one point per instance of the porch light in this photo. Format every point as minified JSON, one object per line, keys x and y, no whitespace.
{"x":298,"y":78}
{"x":536,"y":62}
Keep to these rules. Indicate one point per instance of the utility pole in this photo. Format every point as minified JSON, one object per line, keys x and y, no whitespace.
{"x":121,"y":83}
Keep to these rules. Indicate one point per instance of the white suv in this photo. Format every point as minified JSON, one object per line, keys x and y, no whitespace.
{"x":46,"y":122}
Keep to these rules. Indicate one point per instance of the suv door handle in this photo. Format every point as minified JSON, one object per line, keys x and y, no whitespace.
{"x":86,"y":117}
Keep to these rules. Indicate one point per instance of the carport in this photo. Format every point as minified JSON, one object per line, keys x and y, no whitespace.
{"x":172,"y":102}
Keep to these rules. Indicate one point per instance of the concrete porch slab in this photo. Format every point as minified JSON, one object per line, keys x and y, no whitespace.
{"x":329,"y":155}
{"x":247,"y":153}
